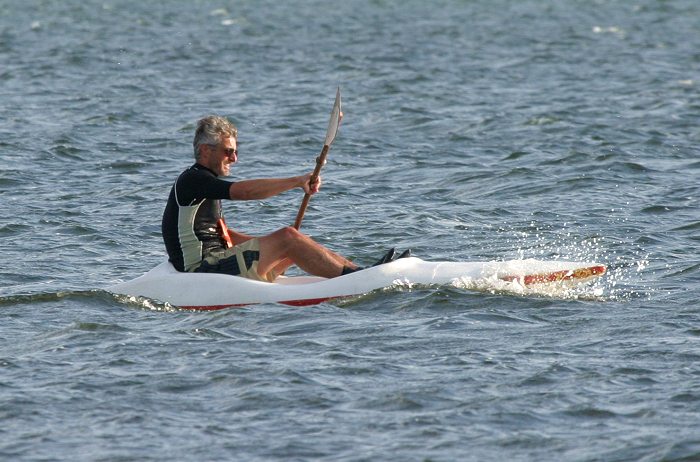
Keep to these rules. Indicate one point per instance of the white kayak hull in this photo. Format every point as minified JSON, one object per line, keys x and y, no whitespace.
{"x":216,"y":291}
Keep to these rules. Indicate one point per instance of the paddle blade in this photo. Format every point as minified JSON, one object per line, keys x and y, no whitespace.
{"x":334,"y":122}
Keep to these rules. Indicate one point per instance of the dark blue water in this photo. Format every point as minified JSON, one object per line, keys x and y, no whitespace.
{"x":481,"y":130}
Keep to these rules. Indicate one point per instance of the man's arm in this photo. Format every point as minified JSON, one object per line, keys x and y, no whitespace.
{"x":263,"y":188}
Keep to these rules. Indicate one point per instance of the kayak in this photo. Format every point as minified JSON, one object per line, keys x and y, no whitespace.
{"x":200,"y":291}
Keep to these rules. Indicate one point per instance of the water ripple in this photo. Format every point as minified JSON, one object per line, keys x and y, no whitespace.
{"x":472,"y":131}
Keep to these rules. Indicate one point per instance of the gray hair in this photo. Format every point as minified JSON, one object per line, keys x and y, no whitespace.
{"x":209,"y":131}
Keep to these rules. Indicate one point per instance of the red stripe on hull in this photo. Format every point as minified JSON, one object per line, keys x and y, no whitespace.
{"x":305,"y":302}
{"x":212,"y":307}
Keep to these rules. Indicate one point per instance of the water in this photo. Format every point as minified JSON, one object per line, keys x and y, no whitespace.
{"x":482,"y":130}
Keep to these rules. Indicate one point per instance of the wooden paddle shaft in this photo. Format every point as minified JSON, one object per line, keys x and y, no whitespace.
{"x":320,"y":161}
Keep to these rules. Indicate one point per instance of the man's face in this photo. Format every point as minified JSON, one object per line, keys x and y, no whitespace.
{"x":221,"y":156}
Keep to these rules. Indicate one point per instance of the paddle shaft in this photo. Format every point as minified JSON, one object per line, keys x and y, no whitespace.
{"x":320,"y":161}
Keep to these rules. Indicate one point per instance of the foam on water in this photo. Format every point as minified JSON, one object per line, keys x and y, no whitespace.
{"x":627,"y":262}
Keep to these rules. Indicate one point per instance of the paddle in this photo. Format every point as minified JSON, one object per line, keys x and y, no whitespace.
{"x":333,"y":125}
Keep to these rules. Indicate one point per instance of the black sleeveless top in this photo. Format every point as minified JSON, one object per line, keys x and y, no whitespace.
{"x":190,"y":218}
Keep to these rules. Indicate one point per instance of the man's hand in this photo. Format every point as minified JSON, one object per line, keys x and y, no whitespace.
{"x":308,"y":186}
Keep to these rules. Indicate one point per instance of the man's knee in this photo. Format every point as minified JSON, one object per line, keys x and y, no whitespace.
{"x":289,"y":234}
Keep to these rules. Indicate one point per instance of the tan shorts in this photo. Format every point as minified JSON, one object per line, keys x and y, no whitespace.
{"x":239,"y":260}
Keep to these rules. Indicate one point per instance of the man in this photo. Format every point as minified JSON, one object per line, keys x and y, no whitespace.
{"x":196,"y":237}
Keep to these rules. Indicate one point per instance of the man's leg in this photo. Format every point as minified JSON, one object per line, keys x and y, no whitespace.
{"x":307,"y":254}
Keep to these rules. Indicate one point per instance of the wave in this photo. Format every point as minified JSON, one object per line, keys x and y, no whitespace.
{"x":92,"y":295}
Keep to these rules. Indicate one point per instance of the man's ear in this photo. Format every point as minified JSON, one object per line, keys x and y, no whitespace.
{"x":204,"y":151}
